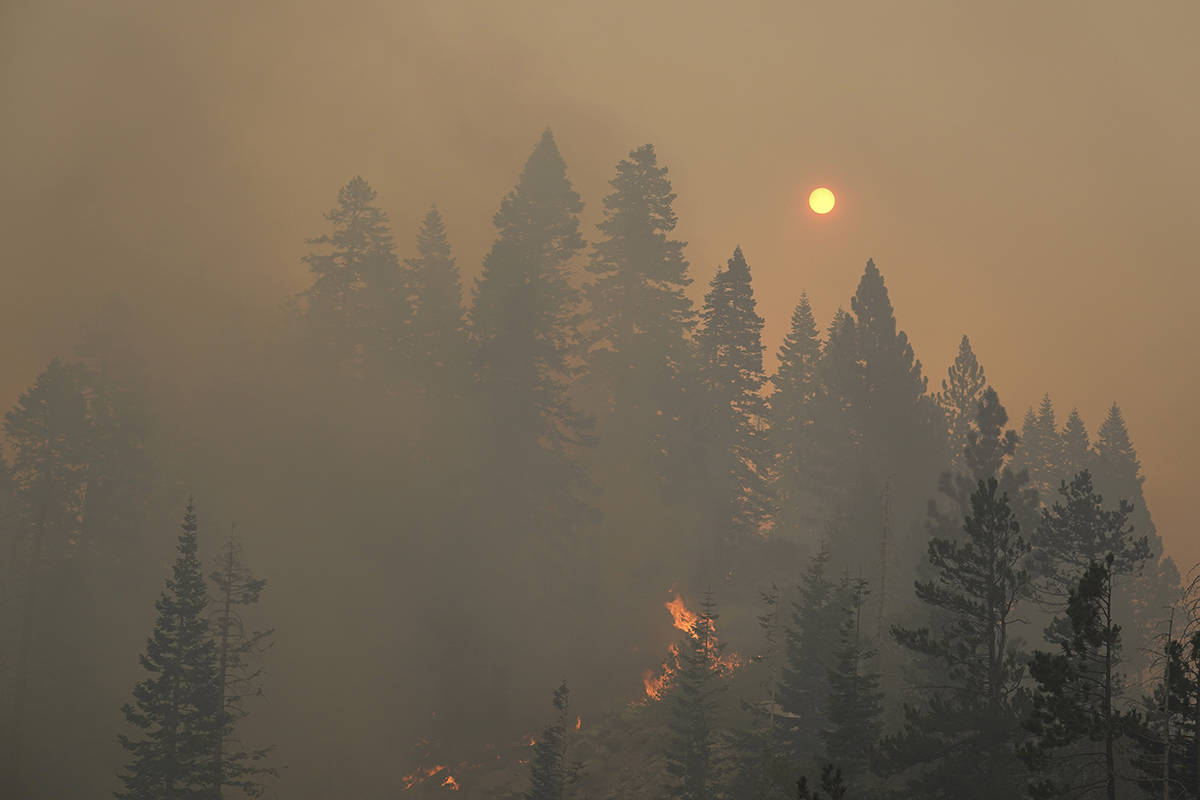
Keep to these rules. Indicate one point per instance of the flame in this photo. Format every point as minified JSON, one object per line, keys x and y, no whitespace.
{"x":685,"y":620}
{"x":578,"y":723}
{"x":531,"y":741}
{"x":450,"y":783}
{"x":423,"y":774}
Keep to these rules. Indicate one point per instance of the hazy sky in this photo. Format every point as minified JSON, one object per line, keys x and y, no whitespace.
{"x":1023,"y":172}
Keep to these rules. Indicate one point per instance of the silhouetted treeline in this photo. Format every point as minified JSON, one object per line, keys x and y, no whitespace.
{"x":460,"y":502}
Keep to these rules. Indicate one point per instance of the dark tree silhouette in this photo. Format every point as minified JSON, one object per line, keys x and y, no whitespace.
{"x":800,"y":474}
{"x":176,"y":708}
{"x":48,"y":432}
{"x":961,"y":743}
{"x":549,"y":771}
{"x":238,"y":678}
{"x":639,"y":317}
{"x":355,"y":311}
{"x":437,"y":330}
{"x":731,"y":371}
{"x":1074,"y":705}
{"x":962,"y":389}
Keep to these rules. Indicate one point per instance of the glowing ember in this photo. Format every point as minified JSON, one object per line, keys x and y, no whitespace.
{"x":450,"y":783}
{"x":531,"y":741}
{"x":578,"y":723}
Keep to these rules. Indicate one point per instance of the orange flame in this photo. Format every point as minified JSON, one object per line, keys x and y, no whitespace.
{"x":685,"y":620}
{"x":578,"y":723}
{"x":421,"y":775}
{"x":531,"y":741}
{"x":450,"y":783}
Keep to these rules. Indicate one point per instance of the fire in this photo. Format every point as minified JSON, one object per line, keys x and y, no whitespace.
{"x":531,"y":741}
{"x":684,"y":620}
{"x":450,"y":783}
{"x":578,"y":723}
{"x":423,"y":774}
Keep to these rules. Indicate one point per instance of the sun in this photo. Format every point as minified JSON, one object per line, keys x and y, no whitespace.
{"x":821,"y":200}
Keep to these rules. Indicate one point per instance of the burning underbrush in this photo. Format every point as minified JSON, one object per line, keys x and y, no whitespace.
{"x":618,"y":749}
{"x":656,"y":684}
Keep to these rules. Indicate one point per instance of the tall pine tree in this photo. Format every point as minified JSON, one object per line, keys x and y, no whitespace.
{"x":48,"y":432}
{"x":1117,"y":474}
{"x":531,"y":487}
{"x":549,"y":770}
{"x":961,"y":742}
{"x":961,"y":391}
{"x":355,"y":311}
{"x":855,"y":705}
{"x":238,"y":677}
{"x":523,"y":324}
{"x":639,"y":317}
{"x":1076,"y":448}
{"x":1075,"y":706}
{"x":176,"y":708}
{"x":731,"y":370}
{"x":436,"y":330}
{"x":809,"y":646}
{"x":800,"y":468}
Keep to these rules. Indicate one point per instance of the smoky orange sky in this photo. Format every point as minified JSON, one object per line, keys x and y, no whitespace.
{"x":1023,"y":172}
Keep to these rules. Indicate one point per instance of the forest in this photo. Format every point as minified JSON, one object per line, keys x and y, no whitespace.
{"x":561,"y":535}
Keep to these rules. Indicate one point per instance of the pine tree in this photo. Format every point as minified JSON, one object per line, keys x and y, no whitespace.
{"x":48,"y":432}
{"x":891,"y":393}
{"x":838,"y":432}
{"x":549,"y":771}
{"x":177,"y":706}
{"x":638,"y":367}
{"x":761,"y":759}
{"x":810,"y":640}
{"x":1041,"y":449}
{"x":987,"y":453}
{"x":1116,"y":472}
{"x":691,"y":709}
{"x":731,"y":368}
{"x":855,"y":700}
{"x":962,"y":743}
{"x":1078,"y":531}
{"x":437,"y":329}
{"x":900,"y":451}
{"x":237,"y":676}
{"x":800,"y":470}
{"x":1077,"y":690}
{"x":355,"y":310}
{"x":523,"y":323}
{"x":639,"y":317}
{"x":961,"y":391}
{"x":531,"y":490}
{"x":1170,"y":728}
{"x":1076,"y":449}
